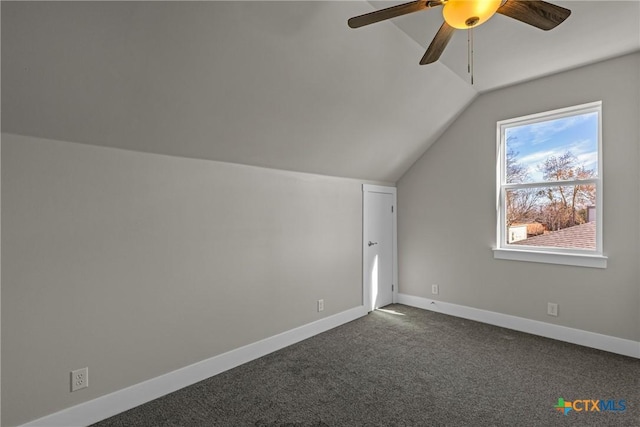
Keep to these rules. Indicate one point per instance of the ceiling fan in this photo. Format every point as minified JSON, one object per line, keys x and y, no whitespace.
{"x":467,"y":14}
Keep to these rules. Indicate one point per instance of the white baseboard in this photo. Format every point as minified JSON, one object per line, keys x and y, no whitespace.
{"x":535,"y":327}
{"x":114,"y":403}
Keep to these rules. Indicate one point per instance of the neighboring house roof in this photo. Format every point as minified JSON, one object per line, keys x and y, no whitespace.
{"x":580,"y":236}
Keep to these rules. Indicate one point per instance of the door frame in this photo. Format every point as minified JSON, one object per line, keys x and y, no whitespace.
{"x":368,"y":189}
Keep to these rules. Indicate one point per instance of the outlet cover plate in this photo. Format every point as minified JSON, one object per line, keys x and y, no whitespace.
{"x":552,"y":309}
{"x":79,"y":379}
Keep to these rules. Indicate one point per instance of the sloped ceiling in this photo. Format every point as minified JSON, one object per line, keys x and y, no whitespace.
{"x":284,"y":85}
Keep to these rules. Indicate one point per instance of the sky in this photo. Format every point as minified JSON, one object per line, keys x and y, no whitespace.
{"x":538,"y":141}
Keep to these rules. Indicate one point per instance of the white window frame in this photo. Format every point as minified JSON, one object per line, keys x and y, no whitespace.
{"x":552,"y":255}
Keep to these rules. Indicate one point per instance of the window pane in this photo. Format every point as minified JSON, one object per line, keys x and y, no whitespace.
{"x":552,"y":216}
{"x":553,"y":150}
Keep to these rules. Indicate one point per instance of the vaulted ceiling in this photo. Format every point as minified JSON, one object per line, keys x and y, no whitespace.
{"x":284,"y":85}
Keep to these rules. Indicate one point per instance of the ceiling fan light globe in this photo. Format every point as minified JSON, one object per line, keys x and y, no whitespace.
{"x":463,"y":14}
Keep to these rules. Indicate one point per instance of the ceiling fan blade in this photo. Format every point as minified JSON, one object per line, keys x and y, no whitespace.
{"x":438,"y":44}
{"x":538,"y":13}
{"x":390,"y":12}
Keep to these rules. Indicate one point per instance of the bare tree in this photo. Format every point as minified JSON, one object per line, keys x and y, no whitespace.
{"x":521,"y":203}
{"x":515,"y":171}
{"x":565,"y":201}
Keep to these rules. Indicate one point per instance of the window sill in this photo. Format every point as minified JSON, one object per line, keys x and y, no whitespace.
{"x":579,"y":260}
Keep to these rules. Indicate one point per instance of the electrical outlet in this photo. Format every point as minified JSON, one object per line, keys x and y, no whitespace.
{"x":434,"y":289}
{"x":320,"y":305}
{"x":552,"y":309}
{"x":79,"y":379}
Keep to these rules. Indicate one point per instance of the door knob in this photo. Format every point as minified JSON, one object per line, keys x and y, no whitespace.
{"x":372,"y":243}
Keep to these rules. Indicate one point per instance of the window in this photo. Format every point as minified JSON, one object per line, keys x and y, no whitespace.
{"x":549,"y":177}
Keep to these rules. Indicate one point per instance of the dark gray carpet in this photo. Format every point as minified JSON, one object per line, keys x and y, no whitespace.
{"x":408,"y":368}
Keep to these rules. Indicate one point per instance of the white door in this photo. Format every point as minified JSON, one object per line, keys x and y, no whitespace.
{"x":379,"y":246}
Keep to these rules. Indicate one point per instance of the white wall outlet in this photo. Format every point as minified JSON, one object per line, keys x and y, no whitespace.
{"x":434,"y":289}
{"x":552,"y":309}
{"x":320,"y":304}
{"x":79,"y":379}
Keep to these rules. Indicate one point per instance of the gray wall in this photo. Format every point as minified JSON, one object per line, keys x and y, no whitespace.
{"x":138,"y":264}
{"x":447,"y":210}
